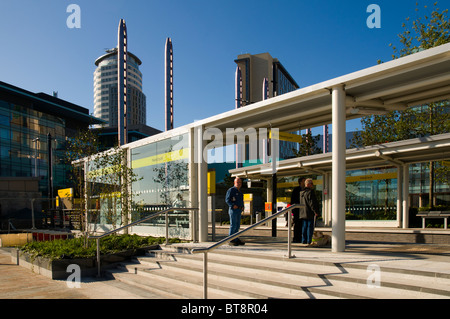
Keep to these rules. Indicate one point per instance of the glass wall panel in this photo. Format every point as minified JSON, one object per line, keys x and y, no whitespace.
{"x":162,"y":170}
{"x":104,"y":197}
{"x":371,"y":194}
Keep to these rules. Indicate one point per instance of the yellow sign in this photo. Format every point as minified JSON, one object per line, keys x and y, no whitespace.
{"x":211,"y":182}
{"x":248,"y":197}
{"x":287,"y":137}
{"x":66,"y":192}
{"x":370,"y":177}
{"x":160,"y":158}
{"x":295,"y":184}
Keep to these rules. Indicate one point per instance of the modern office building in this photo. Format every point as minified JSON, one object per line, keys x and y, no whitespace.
{"x":105,"y":90}
{"x":259,"y":77}
{"x":27,"y":122}
{"x":254,"y":69}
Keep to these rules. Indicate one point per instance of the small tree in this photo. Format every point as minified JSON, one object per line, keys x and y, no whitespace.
{"x":83,"y":145}
{"x":171,"y":176}
{"x":108,"y":177}
{"x":308,"y":146}
{"x":111,"y":179}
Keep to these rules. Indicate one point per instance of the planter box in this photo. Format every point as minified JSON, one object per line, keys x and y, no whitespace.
{"x":10,"y":240}
{"x":57,"y":269}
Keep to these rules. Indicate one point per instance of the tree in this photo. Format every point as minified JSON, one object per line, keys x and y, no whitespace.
{"x":308,"y":146}
{"x":427,"y":32}
{"x":423,"y":33}
{"x":84,"y":144}
{"x":109,"y":179}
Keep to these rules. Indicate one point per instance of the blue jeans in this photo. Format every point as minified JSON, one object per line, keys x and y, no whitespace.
{"x":307,"y":230}
{"x":235,"y":220}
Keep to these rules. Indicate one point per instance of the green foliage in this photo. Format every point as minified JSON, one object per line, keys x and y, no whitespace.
{"x":77,"y":248}
{"x":372,"y":215}
{"x":425,"y":32}
{"x":402,"y":125}
{"x":308,"y":146}
{"x":434,"y":208}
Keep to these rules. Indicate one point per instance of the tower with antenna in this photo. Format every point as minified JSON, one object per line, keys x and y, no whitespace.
{"x":122,"y":52}
{"x":169,"y":84}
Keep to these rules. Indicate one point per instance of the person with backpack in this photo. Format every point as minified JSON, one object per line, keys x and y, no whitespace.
{"x":309,"y":212}
{"x":295,"y":199}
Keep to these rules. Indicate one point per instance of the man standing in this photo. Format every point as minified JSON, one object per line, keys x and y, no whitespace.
{"x":309,"y":211}
{"x":295,"y":199}
{"x":235,"y":201}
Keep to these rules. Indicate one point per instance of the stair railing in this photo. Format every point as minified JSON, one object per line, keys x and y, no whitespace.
{"x":166,"y":212}
{"x":206,"y":250}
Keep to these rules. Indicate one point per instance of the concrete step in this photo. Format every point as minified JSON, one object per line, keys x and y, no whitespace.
{"x":173,"y":284}
{"x":421,"y":281}
{"x":173,"y":272}
{"x":289,"y":276}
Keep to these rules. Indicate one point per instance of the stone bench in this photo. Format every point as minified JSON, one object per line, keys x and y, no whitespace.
{"x":434,"y":214}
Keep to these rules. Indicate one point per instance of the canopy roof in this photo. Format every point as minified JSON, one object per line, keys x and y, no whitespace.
{"x":416,"y":79}
{"x":432,"y":148}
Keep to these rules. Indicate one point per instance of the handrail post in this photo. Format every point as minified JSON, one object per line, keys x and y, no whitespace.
{"x":98,"y":256}
{"x":289,"y":233}
{"x":225,"y":240}
{"x":167,"y":228}
{"x":166,"y":212}
{"x":205,"y":275}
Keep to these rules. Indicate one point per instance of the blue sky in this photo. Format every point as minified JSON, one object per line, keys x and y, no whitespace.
{"x":314,"y":40}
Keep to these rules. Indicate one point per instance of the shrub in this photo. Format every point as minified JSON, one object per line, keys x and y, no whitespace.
{"x":76,"y":248}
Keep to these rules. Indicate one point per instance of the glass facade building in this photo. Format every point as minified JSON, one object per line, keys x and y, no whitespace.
{"x":23,"y":143}
{"x":27,"y":120}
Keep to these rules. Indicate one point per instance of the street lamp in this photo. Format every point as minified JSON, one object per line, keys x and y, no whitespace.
{"x":35,"y":140}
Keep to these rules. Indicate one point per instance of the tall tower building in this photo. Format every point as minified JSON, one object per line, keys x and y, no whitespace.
{"x":106,"y":88}
{"x":260,"y":76}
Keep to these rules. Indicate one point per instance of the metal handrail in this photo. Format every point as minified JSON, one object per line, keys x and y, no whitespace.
{"x":231,"y":237}
{"x":166,"y":212}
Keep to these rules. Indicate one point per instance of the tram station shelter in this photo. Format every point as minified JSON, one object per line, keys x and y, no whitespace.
{"x":417,"y":79}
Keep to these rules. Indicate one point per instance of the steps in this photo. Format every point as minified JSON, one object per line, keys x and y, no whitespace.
{"x":253,"y":273}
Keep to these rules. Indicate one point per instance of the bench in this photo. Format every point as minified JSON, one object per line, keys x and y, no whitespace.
{"x":434,"y":214}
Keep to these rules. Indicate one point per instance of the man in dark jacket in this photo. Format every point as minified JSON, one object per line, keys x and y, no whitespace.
{"x":309,"y":212}
{"x":295,"y":199}
{"x":235,"y":200}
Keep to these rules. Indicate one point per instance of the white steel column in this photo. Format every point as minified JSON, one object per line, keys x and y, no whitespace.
{"x":338,"y":169}
{"x":202,"y":186}
{"x":399,"y":195}
{"x":193,"y":185}
{"x":326,"y":208}
{"x":405,"y":196}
